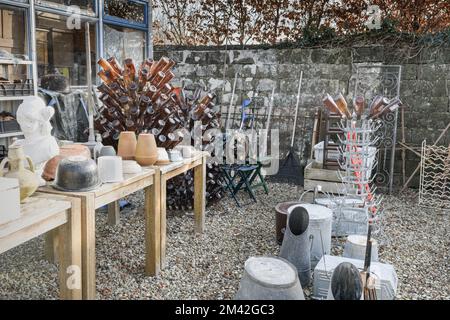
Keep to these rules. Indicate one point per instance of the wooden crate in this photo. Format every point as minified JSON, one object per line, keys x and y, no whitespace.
{"x":329,"y":179}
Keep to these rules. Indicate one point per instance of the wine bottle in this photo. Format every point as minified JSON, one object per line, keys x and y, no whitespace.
{"x":115,"y":65}
{"x":159,"y":66}
{"x":143,"y":75}
{"x":359,"y":106}
{"x":168,"y":76}
{"x":130,"y":67}
{"x":342,"y":106}
{"x":331,"y":105}
{"x":108,"y":68}
{"x":105,"y":76}
{"x":124,"y":104}
{"x":105,"y":89}
{"x":168,"y":66}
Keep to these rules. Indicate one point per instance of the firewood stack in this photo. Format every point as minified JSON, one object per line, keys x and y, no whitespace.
{"x":143,"y":100}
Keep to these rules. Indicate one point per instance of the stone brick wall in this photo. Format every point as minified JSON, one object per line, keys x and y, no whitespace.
{"x":425,"y":84}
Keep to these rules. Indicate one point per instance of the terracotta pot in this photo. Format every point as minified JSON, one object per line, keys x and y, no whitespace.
{"x":64,"y":152}
{"x":28,"y":181}
{"x":127,"y":145}
{"x":146,"y":150}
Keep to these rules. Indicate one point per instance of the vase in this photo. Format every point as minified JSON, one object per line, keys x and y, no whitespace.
{"x":127,"y":145}
{"x":28,"y":181}
{"x":146,"y":150}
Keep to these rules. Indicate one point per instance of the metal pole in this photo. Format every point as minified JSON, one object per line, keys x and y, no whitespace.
{"x":100,"y":35}
{"x":91,"y":139}
{"x":150,"y":29}
{"x":270,"y":110}
{"x":296,"y":108}
{"x":32,"y":41}
{"x":231,"y":101}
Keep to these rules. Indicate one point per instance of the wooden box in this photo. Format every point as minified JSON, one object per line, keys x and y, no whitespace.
{"x":9,"y":200}
{"x":315,"y":175}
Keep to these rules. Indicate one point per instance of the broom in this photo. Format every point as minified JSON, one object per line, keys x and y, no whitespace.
{"x":290,"y":168}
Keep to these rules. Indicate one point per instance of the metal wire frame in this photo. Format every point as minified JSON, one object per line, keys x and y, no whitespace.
{"x":372,"y":79}
{"x":434,"y":187}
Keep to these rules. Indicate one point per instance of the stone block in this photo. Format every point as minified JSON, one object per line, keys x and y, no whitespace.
{"x":300,"y":56}
{"x":368,"y":54}
{"x":331,"y":56}
{"x":218,"y":57}
{"x":196,"y":57}
{"x":266,"y":71}
{"x":266,"y":85}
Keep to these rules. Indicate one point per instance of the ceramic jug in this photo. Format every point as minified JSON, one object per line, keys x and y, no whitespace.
{"x":127,"y":145}
{"x":28,"y":181}
{"x":146,"y":150}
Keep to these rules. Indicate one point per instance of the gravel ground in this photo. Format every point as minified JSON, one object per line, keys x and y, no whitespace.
{"x":209,"y":266}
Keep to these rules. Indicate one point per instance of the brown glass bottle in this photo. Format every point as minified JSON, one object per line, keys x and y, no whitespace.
{"x":161,"y":65}
{"x":105,"y":89}
{"x":342,"y":106}
{"x":359,"y":106}
{"x":156,"y":79}
{"x":115,"y":65}
{"x":105,"y":76}
{"x":125,"y":104}
{"x":329,"y":103}
{"x":143,"y":76}
{"x":131,"y":68}
{"x":168,"y":76}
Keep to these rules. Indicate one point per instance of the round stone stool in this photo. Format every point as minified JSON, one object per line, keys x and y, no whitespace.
{"x":355,"y":247}
{"x":269,"y":278}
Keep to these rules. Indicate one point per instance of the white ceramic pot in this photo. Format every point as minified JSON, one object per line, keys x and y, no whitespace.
{"x":131,"y":167}
{"x":110,"y":169}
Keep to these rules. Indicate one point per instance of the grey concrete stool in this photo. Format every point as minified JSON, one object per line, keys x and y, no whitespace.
{"x":269,"y":278}
{"x":345,"y":283}
{"x":355,"y":247}
{"x":296,"y":245}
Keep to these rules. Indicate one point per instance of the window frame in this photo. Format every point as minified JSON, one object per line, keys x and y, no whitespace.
{"x":108,"y":19}
{"x":41,"y":5}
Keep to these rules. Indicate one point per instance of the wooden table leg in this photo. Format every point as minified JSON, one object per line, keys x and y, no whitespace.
{"x":152,"y":213}
{"x":88,"y":246}
{"x":163,"y":210}
{"x":69,"y":253}
{"x":114,"y":213}
{"x":199,"y":196}
{"x":51,"y":246}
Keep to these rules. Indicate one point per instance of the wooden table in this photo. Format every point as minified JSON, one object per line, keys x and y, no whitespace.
{"x":109,"y":194}
{"x":169,"y":171}
{"x":40,"y":214}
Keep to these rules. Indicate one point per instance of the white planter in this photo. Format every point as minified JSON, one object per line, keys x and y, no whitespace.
{"x":9,"y":200}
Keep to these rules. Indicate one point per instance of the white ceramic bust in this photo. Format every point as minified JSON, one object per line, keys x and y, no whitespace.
{"x":34,"y":117}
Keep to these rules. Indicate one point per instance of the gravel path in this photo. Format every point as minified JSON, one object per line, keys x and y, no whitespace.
{"x":209,"y":266}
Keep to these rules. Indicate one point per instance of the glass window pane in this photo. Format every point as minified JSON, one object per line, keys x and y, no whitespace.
{"x":63,"y":49}
{"x":126,"y":9}
{"x":13,"y":42}
{"x":86,"y":5}
{"x":123,"y":43}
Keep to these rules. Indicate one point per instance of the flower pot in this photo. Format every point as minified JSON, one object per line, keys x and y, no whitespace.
{"x":68,"y":150}
{"x":146,"y":150}
{"x":127,"y":145}
{"x":28,"y":181}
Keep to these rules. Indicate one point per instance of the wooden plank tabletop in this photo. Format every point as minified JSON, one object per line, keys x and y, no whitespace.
{"x":107,"y":187}
{"x":175,"y":165}
{"x":34,"y":211}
